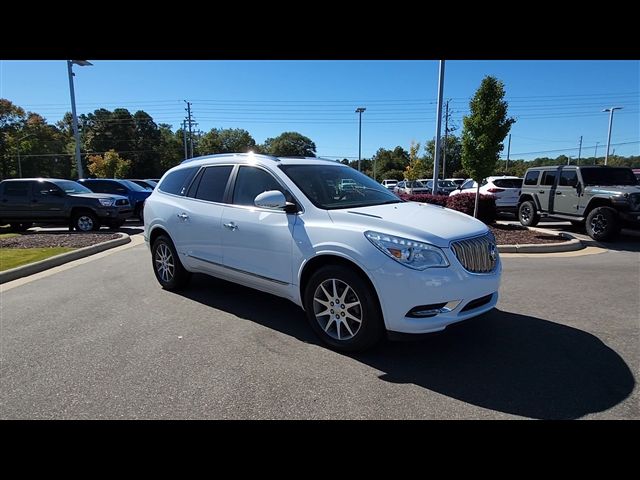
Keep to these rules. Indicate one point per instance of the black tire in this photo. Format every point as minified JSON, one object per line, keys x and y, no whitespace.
{"x":168,"y":269}
{"x":139,"y":211}
{"x":528,"y":214}
{"x":20,"y":227}
{"x":85,"y":222}
{"x":354,"y":336}
{"x":602,"y":224}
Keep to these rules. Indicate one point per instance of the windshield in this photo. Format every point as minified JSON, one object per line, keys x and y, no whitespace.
{"x":446,"y":183}
{"x":608,"y":176}
{"x":69,"y":186}
{"x":332,"y":186}
{"x":133,"y":186}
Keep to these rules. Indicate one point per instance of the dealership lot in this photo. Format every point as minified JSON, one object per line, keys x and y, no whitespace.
{"x":99,"y":339}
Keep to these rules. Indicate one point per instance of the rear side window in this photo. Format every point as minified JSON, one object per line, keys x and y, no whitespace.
{"x":213,"y":183}
{"x":548,"y":177}
{"x":16,"y":189}
{"x":251,"y":182}
{"x":531,"y":178}
{"x":508,"y":182}
{"x":177,"y":182}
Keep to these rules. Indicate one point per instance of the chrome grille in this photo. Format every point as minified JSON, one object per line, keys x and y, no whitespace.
{"x":477,"y":255}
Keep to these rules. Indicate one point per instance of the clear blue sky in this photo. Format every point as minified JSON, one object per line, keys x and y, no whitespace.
{"x":554,"y":101}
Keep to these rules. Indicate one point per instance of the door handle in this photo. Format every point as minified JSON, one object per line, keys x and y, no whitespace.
{"x":540,"y":191}
{"x":183,"y":216}
{"x":231,"y":226}
{"x":558,"y":193}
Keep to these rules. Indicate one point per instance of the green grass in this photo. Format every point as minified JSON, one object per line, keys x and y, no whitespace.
{"x":8,"y":235}
{"x":16,"y":257}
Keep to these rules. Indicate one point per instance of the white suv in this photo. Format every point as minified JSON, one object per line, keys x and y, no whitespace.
{"x":359,"y":261}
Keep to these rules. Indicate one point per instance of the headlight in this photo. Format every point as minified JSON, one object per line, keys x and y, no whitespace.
{"x":410,"y":253}
{"x":106,"y":202}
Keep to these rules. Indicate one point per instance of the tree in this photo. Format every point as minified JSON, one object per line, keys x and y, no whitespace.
{"x":484,"y":130}
{"x":454,"y":154}
{"x":111,"y":165}
{"x":11,"y":120}
{"x":227,"y":140}
{"x":289,"y":144}
{"x":415,"y":169}
{"x":391,"y":163}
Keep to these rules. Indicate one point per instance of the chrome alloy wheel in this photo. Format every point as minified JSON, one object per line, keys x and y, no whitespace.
{"x":525,"y":212}
{"x":84,"y":223}
{"x":337,"y":309}
{"x":164,"y":263}
{"x":599,"y":224}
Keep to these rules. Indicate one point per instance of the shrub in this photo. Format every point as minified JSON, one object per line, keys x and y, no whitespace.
{"x":465,"y":202}
{"x":426,"y":198}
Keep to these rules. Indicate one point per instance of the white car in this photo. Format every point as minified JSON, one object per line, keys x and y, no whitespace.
{"x":360,"y":262}
{"x":506,"y":191}
{"x":389,"y":183}
{"x":411,"y":187}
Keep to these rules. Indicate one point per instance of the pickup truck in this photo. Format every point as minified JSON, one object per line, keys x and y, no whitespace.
{"x":25,"y":201}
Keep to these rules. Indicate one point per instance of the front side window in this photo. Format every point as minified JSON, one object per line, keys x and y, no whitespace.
{"x":250,"y":183}
{"x":468,"y":184}
{"x":316,"y":182}
{"x":69,"y":186}
{"x":568,"y":178}
{"x":213,"y":183}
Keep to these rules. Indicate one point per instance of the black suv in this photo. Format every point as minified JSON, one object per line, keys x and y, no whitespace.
{"x":599,"y":198}
{"x":50,"y":200}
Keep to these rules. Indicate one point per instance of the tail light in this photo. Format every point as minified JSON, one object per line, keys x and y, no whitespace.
{"x":495,"y":190}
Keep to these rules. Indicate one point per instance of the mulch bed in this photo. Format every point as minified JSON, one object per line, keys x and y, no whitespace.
{"x":62,"y":239}
{"x":519,"y":235}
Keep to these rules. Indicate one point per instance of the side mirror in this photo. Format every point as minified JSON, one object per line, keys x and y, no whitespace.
{"x":275,"y":200}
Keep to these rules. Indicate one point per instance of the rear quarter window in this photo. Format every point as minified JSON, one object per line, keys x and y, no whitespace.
{"x":177,"y":182}
{"x":508,"y":182}
{"x":531,"y":178}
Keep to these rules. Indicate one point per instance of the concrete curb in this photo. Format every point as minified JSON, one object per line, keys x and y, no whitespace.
{"x":570,"y":246}
{"x":30,"y":269}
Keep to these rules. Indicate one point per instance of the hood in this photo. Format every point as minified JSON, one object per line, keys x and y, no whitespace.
{"x":416,"y":221}
{"x":613,"y":189}
{"x":97,"y":195}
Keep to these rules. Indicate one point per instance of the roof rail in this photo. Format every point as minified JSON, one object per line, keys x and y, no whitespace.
{"x":223,"y":155}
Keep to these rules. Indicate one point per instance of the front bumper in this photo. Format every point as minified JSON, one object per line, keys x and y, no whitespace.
{"x":400,"y":289}
{"x":114,"y":213}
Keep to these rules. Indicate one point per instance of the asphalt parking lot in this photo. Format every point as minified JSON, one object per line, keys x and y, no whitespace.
{"x":99,"y":339}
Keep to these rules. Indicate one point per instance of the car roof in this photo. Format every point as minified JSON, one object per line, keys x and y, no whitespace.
{"x":38,"y":179}
{"x":259,"y":158}
{"x":505,"y":177}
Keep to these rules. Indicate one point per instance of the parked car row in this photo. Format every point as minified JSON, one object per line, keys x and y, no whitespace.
{"x":505,"y":190}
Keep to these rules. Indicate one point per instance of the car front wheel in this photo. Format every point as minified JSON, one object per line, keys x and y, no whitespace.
{"x":85,"y":222}
{"x":167,"y":266}
{"x":343,"y":309}
{"x":602,"y":224}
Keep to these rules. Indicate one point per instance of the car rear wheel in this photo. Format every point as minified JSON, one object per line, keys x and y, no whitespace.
{"x":602,"y":224}
{"x":527,"y":214}
{"x":167,"y":266}
{"x":343,"y":309}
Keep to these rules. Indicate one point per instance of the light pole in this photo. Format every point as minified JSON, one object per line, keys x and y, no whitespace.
{"x":436,"y":151}
{"x":595,"y":161}
{"x":610,"y":110}
{"x":18,"y":149}
{"x":360,"y":110}
{"x":82,"y":63}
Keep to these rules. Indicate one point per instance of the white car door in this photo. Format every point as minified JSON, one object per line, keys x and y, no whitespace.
{"x":257,"y":242}
{"x":201,"y":219}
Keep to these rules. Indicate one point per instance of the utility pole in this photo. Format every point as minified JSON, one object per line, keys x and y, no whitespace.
{"x":579,"y":151}
{"x":74,"y":115}
{"x":444,"y":147}
{"x":360,"y":110}
{"x":610,"y":110}
{"x":506,"y":167}
{"x":189,"y":122}
{"x":595,"y":161}
{"x":184,"y":138}
{"x":436,"y":150}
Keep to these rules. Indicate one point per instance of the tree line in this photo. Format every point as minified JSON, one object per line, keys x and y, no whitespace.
{"x":124,"y":144}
